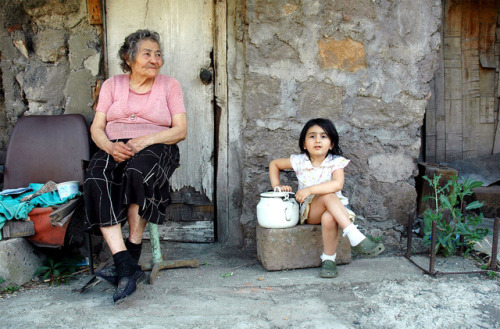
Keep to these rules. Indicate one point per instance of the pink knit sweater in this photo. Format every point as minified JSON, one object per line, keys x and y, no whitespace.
{"x":131,"y":115}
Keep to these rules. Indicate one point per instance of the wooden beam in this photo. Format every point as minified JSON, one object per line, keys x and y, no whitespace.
{"x":200,"y":231}
{"x":18,"y":229}
{"x":64,"y":210}
{"x":221,"y":123}
{"x":193,"y":231}
{"x":487,"y":31}
{"x":470,"y":78}
{"x":94,"y":11}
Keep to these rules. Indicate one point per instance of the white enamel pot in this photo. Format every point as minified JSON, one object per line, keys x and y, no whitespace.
{"x":277,"y":209}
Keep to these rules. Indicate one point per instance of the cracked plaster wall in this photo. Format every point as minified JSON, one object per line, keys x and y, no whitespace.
{"x":364,"y":64}
{"x":50,"y":60}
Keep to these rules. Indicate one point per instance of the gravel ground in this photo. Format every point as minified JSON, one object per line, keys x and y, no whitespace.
{"x":232,"y":290}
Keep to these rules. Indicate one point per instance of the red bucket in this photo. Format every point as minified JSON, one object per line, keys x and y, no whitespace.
{"x":46,"y":235}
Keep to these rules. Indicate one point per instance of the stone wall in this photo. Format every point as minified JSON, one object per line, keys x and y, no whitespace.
{"x":50,"y":60}
{"x":364,"y":64}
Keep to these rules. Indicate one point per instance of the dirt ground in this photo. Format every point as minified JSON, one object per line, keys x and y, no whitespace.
{"x":232,"y":290}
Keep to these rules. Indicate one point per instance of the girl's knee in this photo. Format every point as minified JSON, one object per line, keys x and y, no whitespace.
{"x":328,"y":221}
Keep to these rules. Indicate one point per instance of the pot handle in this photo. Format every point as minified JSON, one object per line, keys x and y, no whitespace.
{"x":287,"y":217}
{"x":285,"y":198}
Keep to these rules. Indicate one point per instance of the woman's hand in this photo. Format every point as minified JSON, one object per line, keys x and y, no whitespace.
{"x":121,"y":152}
{"x":302,"y":194}
{"x":138,"y":144}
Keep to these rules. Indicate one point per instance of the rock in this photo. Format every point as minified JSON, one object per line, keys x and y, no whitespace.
{"x":296,"y":247}
{"x":19,"y":260}
{"x":50,"y":45}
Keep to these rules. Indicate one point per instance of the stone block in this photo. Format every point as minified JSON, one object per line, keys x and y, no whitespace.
{"x":50,"y":45}
{"x":490,"y":196}
{"x":81,"y":47}
{"x":19,"y":261}
{"x":296,"y":247}
{"x":78,"y":92}
{"x":346,"y":55}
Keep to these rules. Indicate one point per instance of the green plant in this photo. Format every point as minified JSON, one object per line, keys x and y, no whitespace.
{"x":493,"y":274}
{"x":58,"y":270}
{"x":459,"y":219}
{"x":11,"y":289}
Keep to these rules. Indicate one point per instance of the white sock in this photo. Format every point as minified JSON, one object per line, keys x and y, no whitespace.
{"x":328,"y":257}
{"x":353,"y":234}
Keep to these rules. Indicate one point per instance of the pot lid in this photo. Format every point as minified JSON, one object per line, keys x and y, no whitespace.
{"x":271,"y":194}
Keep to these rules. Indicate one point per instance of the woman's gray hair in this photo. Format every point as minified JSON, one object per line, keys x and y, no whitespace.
{"x":130,"y":47}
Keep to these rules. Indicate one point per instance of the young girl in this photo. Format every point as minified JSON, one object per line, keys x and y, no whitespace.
{"x":320,"y":172}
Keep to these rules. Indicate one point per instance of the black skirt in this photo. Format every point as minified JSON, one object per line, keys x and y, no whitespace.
{"x":110,"y":187}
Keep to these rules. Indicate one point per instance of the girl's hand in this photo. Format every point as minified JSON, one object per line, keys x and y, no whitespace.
{"x":121,"y":152}
{"x":284,"y":188}
{"x":302,"y":194}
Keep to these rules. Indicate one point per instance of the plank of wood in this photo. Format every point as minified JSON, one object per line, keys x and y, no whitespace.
{"x":453,"y":83}
{"x":18,"y":229}
{"x":94,"y":11}
{"x":453,"y":129}
{"x":189,"y":195}
{"x":92,"y":280}
{"x":183,"y":212}
{"x":470,"y":78}
{"x":487,"y":110}
{"x":497,"y":80}
{"x":430,"y":121}
{"x":496,"y":143}
{"x":200,"y":231}
{"x":452,"y":11}
{"x":452,"y":48}
{"x":64,"y":210}
{"x":487,"y":33}
{"x":221,"y":122}
{"x":448,"y":118}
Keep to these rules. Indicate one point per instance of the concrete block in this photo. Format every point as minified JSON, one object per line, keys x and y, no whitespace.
{"x":19,"y":261}
{"x":296,"y":247}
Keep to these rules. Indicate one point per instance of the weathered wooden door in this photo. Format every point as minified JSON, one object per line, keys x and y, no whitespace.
{"x":463,"y":113}
{"x":187,"y":37}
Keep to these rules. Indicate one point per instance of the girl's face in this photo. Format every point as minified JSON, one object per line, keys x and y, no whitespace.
{"x":317,"y":143}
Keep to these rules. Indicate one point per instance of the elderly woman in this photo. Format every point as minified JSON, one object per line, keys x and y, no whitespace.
{"x":139,"y":119}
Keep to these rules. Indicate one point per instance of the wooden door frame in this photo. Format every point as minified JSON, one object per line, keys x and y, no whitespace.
{"x":221,"y":149}
{"x":221,"y":122}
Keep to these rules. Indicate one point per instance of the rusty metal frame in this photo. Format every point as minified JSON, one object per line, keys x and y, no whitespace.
{"x":432,"y":257}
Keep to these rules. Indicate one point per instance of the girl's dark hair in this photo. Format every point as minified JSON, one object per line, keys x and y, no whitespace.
{"x":130,"y":47}
{"x":330,"y":131}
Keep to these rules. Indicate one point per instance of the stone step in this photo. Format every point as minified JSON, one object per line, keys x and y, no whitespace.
{"x":19,"y":261}
{"x":296,"y":247}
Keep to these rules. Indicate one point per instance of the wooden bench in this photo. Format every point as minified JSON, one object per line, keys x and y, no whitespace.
{"x":296,"y":247}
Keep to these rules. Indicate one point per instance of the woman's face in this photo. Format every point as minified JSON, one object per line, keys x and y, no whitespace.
{"x":148,"y":60}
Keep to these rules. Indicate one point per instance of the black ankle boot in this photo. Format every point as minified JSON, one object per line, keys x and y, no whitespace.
{"x":129,"y":275}
{"x":109,"y":273}
{"x":134,"y":249}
